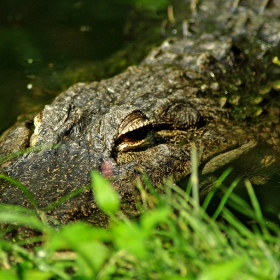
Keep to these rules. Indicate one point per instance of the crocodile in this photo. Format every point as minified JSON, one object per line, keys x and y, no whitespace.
{"x":215,"y":88}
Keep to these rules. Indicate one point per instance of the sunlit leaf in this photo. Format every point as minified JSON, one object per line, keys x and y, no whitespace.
{"x":131,"y":238}
{"x":223,"y":270}
{"x":21,"y":220}
{"x":152,"y":218}
{"x":107,"y":198}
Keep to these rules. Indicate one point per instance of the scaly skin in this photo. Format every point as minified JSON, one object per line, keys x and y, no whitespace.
{"x":212,"y":89}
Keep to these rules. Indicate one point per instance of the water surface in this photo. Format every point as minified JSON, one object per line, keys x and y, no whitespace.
{"x":40,"y":39}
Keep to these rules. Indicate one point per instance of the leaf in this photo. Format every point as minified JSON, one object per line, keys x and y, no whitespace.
{"x":8,"y":275}
{"x":152,"y":218}
{"x":86,"y":242}
{"x":75,"y":233}
{"x":226,"y":270}
{"x":106,"y":197}
{"x":130,"y":238}
{"x":21,"y":219}
{"x":91,"y":256}
{"x":36,"y":274}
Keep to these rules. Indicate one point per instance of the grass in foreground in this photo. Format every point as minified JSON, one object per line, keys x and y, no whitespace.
{"x":173,"y":239}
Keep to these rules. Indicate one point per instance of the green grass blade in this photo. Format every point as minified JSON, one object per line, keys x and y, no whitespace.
{"x":66,"y":197}
{"x":194,"y":177}
{"x":28,"y":150}
{"x":17,"y":208}
{"x":224,"y":199}
{"x":22,"y":188}
{"x":218,"y":184}
{"x":256,"y":206}
{"x":234,"y":222}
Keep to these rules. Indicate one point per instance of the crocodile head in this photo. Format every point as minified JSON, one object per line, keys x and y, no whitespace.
{"x":123,"y":130}
{"x":117,"y":127}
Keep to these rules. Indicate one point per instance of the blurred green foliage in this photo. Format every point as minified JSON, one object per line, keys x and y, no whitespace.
{"x":169,"y":240}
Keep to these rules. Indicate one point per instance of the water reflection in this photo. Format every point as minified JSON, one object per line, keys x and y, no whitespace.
{"x":40,"y":38}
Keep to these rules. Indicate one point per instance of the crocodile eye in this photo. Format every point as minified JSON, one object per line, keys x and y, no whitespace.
{"x":133,"y":132}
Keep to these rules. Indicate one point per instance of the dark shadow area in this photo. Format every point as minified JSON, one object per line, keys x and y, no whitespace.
{"x":39,"y":38}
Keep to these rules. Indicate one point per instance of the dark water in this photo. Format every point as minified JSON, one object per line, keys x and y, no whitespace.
{"x":40,"y":39}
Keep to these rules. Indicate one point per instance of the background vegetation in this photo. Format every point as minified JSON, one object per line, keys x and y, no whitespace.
{"x":173,"y":238}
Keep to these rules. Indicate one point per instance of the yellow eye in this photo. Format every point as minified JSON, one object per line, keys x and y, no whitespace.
{"x":133,"y":132}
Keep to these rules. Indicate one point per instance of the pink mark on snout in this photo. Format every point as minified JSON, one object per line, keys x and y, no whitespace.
{"x":107,"y":169}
